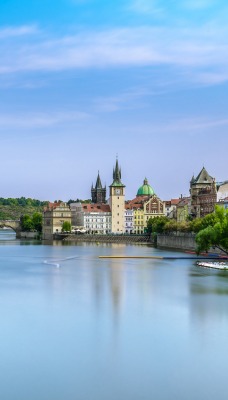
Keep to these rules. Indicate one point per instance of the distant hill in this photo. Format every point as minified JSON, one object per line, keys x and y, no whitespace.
{"x":13,"y":208}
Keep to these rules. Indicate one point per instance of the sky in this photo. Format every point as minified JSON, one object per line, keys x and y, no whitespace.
{"x":85,"y":81}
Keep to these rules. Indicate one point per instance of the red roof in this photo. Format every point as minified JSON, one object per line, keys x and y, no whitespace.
{"x":52,"y":206}
{"x":98,"y":207}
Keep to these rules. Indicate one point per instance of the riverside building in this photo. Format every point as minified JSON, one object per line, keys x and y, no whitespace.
{"x":53,"y":217}
{"x":203,"y":194}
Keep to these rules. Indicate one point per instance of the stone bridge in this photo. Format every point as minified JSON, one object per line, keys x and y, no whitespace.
{"x":13,"y":224}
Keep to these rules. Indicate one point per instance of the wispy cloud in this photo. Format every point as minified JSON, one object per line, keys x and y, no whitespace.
{"x":127,"y":100}
{"x":39,"y":120}
{"x":146,"y":7}
{"x":193,"y":126}
{"x":18,"y":31}
{"x":197,"y":51}
{"x":198,"y":4}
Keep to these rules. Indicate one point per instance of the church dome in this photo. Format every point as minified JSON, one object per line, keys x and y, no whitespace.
{"x":145,"y":189}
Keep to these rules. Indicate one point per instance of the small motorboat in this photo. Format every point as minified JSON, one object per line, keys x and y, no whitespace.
{"x":213,"y":264}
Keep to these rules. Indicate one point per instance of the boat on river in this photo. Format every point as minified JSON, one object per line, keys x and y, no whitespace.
{"x":213,"y":264}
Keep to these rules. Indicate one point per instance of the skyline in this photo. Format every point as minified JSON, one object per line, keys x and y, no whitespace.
{"x":84,"y":80}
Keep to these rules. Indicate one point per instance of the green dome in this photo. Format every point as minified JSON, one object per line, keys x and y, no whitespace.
{"x":145,"y":189}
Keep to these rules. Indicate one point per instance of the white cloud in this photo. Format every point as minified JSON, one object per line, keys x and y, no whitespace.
{"x":196,"y":51}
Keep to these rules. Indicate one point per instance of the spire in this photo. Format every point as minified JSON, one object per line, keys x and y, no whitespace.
{"x":117,"y":175}
{"x":117,"y":172}
{"x":98,"y":182}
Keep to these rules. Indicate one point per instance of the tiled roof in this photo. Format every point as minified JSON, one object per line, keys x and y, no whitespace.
{"x":98,"y":207}
{"x":174,"y":201}
{"x":137,"y":202}
{"x":183,"y":201}
{"x":52,"y":206}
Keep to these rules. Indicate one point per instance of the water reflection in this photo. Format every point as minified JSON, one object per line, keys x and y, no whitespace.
{"x":209,"y":297}
{"x":109,"y":328}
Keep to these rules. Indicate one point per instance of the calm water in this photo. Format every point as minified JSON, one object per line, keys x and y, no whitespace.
{"x":74,"y":327}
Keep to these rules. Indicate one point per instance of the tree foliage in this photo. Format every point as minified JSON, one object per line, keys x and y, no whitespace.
{"x":215,"y":231}
{"x":66,"y":227}
{"x":157,"y":224}
{"x":31,"y":223}
{"x":22,"y":201}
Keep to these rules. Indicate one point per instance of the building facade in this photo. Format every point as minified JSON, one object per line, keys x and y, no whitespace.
{"x":171,"y":208}
{"x":183,"y":209}
{"x":53,"y":217}
{"x":203,"y":194}
{"x":129,"y":221}
{"x":91,"y":218}
{"x":222,"y":190}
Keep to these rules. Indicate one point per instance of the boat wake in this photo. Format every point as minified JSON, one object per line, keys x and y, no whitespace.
{"x":56,"y":264}
{"x":213,"y":264}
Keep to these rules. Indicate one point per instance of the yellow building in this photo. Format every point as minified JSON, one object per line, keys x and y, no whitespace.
{"x":146,"y":205}
{"x":138,"y":220}
{"x":182,"y":209}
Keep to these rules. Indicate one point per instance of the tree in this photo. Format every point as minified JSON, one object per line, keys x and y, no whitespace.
{"x":66,"y":227}
{"x":215,"y":234}
{"x":37,"y":221}
{"x":156,"y":224}
{"x":26,"y":223}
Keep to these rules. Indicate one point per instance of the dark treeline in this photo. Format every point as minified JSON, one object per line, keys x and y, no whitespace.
{"x":22,"y":201}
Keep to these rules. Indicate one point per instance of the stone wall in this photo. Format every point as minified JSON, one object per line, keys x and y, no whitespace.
{"x":28,"y":235}
{"x":177,"y":240}
{"x":104,"y":238}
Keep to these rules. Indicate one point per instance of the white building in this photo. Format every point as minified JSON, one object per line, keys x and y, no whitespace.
{"x":222,"y":190}
{"x":129,"y":221}
{"x":94,"y":218}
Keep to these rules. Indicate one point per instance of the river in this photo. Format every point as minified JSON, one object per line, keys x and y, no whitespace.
{"x":76,"y":327}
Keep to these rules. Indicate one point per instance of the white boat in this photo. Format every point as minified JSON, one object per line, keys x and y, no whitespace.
{"x":213,"y":264}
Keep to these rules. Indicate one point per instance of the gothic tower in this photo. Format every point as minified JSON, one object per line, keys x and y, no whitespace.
{"x":203,"y":194}
{"x":117,"y":201}
{"x":98,"y":193}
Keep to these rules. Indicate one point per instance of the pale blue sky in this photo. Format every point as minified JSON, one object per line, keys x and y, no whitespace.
{"x":83,"y":80}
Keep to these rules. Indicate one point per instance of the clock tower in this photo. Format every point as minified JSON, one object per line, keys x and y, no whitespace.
{"x":117,"y":201}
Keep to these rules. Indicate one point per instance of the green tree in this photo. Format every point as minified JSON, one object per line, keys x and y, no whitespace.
{"x":37,"y":221}
{"x":66,"y":227}
{"x":26,"y":223}
{"x":156,"y":224}
{"x":215,"y":233}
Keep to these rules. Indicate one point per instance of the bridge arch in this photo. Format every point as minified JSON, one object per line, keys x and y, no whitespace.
{"x":14,"y":225}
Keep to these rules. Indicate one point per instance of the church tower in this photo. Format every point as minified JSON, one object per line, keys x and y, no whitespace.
{"x":117,"y":201}
{"x":98,"y":193}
